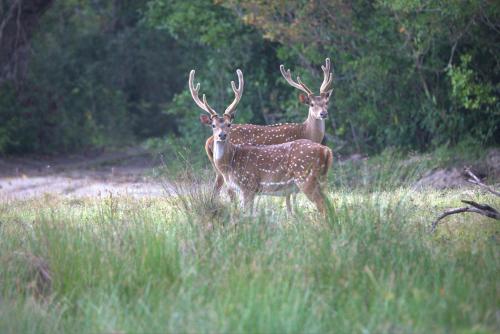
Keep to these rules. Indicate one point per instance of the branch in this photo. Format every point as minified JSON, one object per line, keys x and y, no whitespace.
{"x":18,"y":23}
{"x":7,"y":18}
{"x":447,"y":213}
{"x":475,"y":180}
{"x":481,"y":209}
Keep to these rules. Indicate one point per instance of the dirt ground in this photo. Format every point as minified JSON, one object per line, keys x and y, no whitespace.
{"x":130,"y":172}
{"x":89,"y":174}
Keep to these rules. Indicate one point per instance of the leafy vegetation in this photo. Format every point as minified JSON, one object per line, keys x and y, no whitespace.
{"x":97,"y":77}
{"x":409,"y":74}
{"x":419,"y":68}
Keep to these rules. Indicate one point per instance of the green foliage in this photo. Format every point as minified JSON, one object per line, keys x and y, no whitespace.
{"x":219,"y":43}
{"x":412,"y":74}
{"x":475,"y":96}
{"x":97,"y":77}
{"x":11,"y":122}
{"x":469,"y":94}
{"x":396,"y":65}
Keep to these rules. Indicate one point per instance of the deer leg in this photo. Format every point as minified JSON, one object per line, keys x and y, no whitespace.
{"x":312,"y":189}
{"x":248,"y":201}
{"x":288,"y":204}
{"x":219,"y":179}
{"x":291,"y":201}
{"x":317,"y":197}
{"x":232,"y":194}
{"x":219,"y":182}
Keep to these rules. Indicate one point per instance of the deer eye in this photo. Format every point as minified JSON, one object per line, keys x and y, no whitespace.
{"x":213,"y":126}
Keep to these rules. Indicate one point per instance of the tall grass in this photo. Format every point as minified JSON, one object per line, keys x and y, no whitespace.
{"x":172,"y":265}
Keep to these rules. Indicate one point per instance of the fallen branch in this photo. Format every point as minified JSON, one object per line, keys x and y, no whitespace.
{"x":475,"y":180}
{"x":482,"y":209}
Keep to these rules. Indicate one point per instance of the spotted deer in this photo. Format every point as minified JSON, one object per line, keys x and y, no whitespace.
{"x":313,"y":128}
{"x":279,"y":169}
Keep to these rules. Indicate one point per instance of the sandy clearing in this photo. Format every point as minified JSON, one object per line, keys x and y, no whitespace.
{"x":29,"y":187}
{"x":118,"y":173}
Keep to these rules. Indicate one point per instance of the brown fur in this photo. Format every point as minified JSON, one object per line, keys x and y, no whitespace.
{"x":276,"y":169}
{"x":248,"y":134}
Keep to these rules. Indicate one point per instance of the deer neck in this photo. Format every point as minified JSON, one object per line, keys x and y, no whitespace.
{"x":314,"y":128}
{"x":223,"y":155}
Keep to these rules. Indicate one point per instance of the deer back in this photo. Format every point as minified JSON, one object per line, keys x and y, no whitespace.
{"x":249,"y":134}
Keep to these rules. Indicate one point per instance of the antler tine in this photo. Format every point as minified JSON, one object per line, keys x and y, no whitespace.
{"x":308,"y":90}
{"x":208,"y":109}
{"x":326,"y":68}
{"x":194,"y":93}
{"x":299,"y":84}
{"x":327,"y":77}
{"x":238,"y":92}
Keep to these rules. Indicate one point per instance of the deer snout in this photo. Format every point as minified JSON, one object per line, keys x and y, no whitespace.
{"x":222,"y":136}
{"x":324,"y":114}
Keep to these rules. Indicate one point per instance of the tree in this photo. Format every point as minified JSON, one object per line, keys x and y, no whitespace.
{"x":18,"y":21}
{"x":415,"y":67}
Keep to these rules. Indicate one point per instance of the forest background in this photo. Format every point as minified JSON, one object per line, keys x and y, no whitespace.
{"x":409,"y":74}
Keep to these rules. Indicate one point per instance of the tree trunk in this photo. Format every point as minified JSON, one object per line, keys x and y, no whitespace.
{"x":18,"y":22}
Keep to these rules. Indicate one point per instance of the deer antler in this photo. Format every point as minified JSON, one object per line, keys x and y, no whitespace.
{"x":237,"y":93}
{"x":299,"y":84}
{"x":325,"y":86}
{"x":327,"y":77}
{"x":194,"y":93}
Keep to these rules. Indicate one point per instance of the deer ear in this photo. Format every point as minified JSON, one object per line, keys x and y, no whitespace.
{"x":303,"y":99}
{"x":205,"y":119}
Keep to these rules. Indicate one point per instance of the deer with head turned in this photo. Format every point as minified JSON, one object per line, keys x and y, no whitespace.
{"x":279,"y":169}
{"x":313,"y":128}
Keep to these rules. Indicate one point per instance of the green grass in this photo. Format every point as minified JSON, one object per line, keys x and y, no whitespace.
{"x":196,"y":264}
{"x":393,"y":165}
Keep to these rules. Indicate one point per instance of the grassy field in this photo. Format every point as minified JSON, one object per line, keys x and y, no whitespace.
{"x":196,"y":264}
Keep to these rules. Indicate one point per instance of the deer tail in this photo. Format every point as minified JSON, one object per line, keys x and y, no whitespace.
{"x":328,"y":160}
